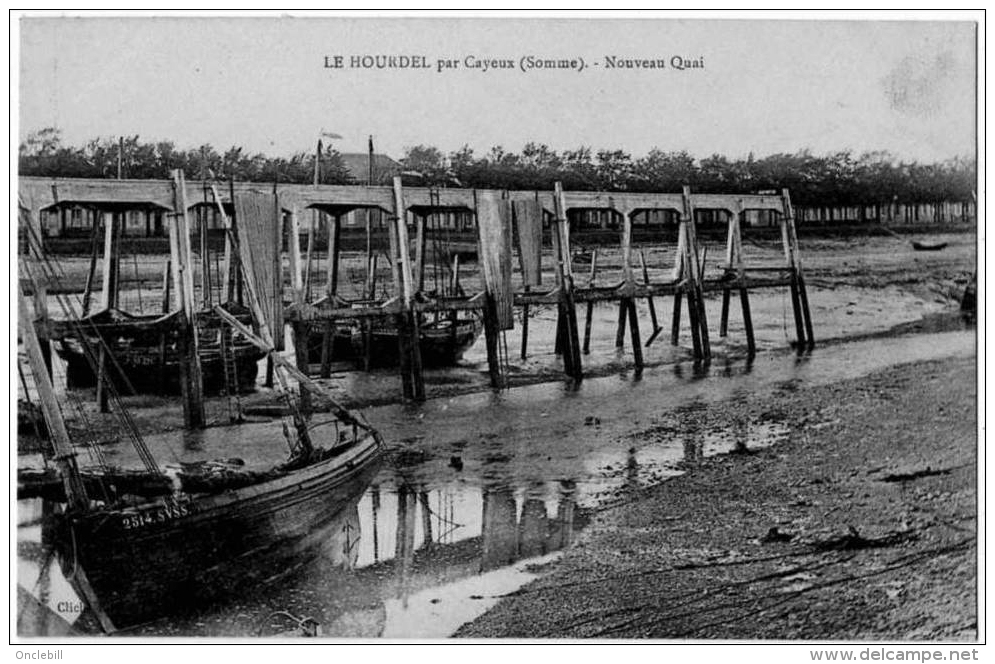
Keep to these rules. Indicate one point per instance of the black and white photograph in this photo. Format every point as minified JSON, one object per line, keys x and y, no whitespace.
{"x":561,"y":327}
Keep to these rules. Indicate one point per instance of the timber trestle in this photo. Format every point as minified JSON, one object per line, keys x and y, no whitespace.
{"x":498,"y":290}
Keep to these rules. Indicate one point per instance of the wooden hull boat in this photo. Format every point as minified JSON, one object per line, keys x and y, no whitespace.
{"x":165,"y":555}
{"x":928,"y":246}
{"x":146,"y":350}
{"x":441,"y":344}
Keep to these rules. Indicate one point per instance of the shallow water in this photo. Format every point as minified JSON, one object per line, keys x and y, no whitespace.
{"x":479,"y":490}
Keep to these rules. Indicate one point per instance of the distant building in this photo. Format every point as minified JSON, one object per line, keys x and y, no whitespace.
{"x":358,"y":166}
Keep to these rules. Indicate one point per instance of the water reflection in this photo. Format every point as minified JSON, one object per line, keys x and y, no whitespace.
{"x":436,"y":538}
{"x":376,"y":568}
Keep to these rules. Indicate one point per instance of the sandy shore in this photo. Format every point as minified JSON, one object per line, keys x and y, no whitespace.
{"x":875,"y":515}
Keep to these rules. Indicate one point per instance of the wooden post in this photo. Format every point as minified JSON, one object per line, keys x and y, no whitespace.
{"x":727,"y":292}
{"x":492,"y":337}
{"x":294,"y":253}
{"x":675,"y":324}
{"x":649,"y":301}
{"x":41,"y":315}
{"x":205,"y":260}
{"x":299,"y":330}
{"x":334,"y":248}
{"x":744,"y":298}
{"x":623,"y":312}
{"x":309,"y":256}
{"x":164,"y":335}
{"x":331,"y":289}
{"x":525,"y":327}
{"x":92,"y":272}
{"x":696,"y":300}
{"x":790,"y":264}
{"x":191,"y":380}
{"x":681,"y":278}
{"x":409,"y":337}
{"x":796,"y":267}
{"x":110,"y":267}
{"x":637,"y":347}
{"x":744,"y":295}
{"x":572,"y":355}
{"x":278,"y":229}
{"x":588,"y":319}
{"x":109,"y":300}
{"x":419,"y":269}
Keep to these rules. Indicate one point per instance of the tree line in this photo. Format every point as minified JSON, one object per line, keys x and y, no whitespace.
{"x":838,"y":179}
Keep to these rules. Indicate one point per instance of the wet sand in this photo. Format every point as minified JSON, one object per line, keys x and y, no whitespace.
{"x":873,"y":498}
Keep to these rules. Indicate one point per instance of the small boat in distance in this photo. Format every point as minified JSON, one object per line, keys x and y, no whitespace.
{"x":928,"y":246}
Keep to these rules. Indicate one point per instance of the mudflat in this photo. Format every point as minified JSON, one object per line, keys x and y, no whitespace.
{"x":860,"y":525}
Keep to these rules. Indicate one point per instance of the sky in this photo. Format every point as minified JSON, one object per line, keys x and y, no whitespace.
{"x":765,"y":86}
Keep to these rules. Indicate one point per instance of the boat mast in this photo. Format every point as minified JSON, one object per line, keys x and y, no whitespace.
{"x":65,"y":457}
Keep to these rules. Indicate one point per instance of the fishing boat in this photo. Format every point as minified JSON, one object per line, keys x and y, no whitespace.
{"x":442,"y":342}
{"x":137,"y":543}
{"x":145,"y":351}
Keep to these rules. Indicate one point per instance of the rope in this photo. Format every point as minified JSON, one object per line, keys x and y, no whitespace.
{"x":52,"y":275}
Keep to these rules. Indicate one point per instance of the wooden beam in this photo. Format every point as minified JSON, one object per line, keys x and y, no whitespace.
{"x":260,"y":342}
{"x":64,"y":454}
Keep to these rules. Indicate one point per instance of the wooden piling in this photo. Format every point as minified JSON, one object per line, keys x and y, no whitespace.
{"x":679,"y":272}
{"x":675,"y":325}
{"x":419,"y":267}
{"x":796,"y":307}
{"x":109,"y":300}
{"x":724,"y":316}
{"x":794,"y":257}
{"x":744,"y":298}
{"x":637,"y":347}
{"x":334,"y":248}
{"x":42,"y":318}
{"x":736,"y":263}
{"x":92,"y":271}
{"x":298,"y":330}
{"x":164,"y":335}
{"x":589,"y":317}
{"x":693,"y":321}
{"x":649,"y":302}
{"x":412,"y":380}
{"x":692,"y":265}
{"x":205,"y":260}
{"x":492,"y":336}
{"x":525,"y":328}
{"x":568,"y":309}
{"x":191,"y":380}
{"x":623,"y":312}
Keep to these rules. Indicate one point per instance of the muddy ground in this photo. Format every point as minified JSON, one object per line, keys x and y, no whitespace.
{"x":861,"y":527}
